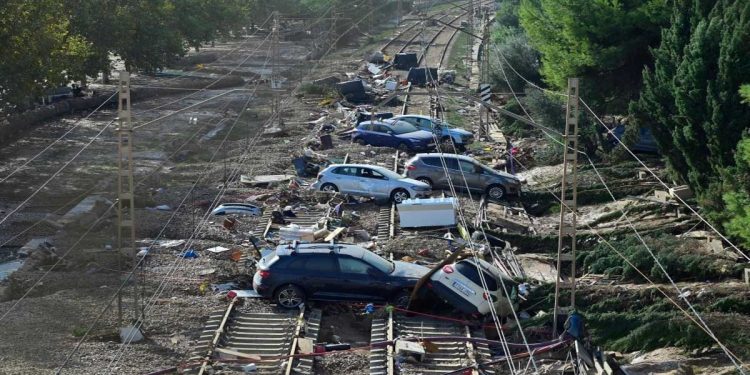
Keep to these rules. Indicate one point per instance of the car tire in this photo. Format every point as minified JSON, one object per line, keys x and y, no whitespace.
{"x":403,"y":147}
{"x":496,"y":192}
{"x":289,"y":296}
{"x":401,"y":299}
{"x":425,"y":180}
{"x":360,"y":141}
{"x":399,"y":195}
{"x":329,"y":188}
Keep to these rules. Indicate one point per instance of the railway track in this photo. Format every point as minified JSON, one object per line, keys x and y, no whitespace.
{"x":444,"y":356}
{"x":236,"y":338}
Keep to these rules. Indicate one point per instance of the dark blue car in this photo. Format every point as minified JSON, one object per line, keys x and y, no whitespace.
{"x":397,"y":134}
{"x":293,"y":274}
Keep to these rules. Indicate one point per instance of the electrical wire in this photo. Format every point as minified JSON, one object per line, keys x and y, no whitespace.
{"x":701,"y":323}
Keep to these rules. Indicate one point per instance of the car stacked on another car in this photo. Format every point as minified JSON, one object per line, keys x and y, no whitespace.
{"x":463,"y":172}
{"x":396,"y":134}
{"x":461,"y":285}
{"x":448,"y":135}
{"x":369,"y":181}
{"x":295,"y":273}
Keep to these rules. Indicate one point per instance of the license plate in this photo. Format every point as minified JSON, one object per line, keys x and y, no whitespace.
{"x":463,"y":288}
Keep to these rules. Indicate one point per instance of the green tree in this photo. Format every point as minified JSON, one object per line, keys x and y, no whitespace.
{"x":605,"y":42}
{"x":690,"y":99}
{"x":39,"y":51}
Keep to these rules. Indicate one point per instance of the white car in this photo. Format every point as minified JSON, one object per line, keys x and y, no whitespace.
{"x":237,"y":209}
{"x":459,"y":284}
{"x":370,"y":181}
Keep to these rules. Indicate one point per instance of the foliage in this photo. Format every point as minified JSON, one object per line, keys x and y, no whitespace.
{"x":521,"y":56}
{"x":39,"y":50}
{"x":689,"y":98}
{"x":603,"y":42}
{"x":680,"y":258}
{"x":745,"y":92}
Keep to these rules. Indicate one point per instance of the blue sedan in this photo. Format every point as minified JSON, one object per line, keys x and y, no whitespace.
{"x":397,"y":134}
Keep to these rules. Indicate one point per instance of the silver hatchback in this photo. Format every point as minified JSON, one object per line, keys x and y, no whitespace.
{"x":431,"y":169}
{"x":369,"y":181}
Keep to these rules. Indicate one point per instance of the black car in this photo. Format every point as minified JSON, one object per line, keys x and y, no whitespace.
{"x":292,"y":274}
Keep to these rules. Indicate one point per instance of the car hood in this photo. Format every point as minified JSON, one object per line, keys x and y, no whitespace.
{"x":409,"y":270}
{"x":419,"y":134}
{"x":413,"y":182}
{"x":506,"y":175}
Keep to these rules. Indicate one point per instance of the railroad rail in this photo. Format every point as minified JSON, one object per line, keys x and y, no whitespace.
{"x":267,"y":340}
{"x":387,"y":214}
{"x":441,"y":356}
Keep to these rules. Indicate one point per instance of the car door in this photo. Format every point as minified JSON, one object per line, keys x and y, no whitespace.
{"x":385,"y":136}
{"x":375,"y":183}
{"x":320,"y":276}
{"x":468,"y":171}
{"x":346,"y":179}
{"x":363,"y":282}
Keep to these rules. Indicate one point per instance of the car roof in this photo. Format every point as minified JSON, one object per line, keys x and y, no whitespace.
{"x":487,"y":266}
{"x":418,"y":116}
{"x":446,"y":155}
{"x":356,"y":166}
{"x":320,"y":248}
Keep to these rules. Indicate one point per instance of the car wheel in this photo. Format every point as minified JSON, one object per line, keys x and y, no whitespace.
{"x":425,"y":180}
{"x":401,"y":300}
{"x":403,"y":147}
{"x":399,"y":195}
{"x":290,"y":296}
{"x":329,"y":188}
{"x":360,"y":141}
{"x":496,"y":192}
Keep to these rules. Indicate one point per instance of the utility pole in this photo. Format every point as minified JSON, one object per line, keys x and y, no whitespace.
{"x":398,"y":13}
{"x":277,"y":123}
{"x":568,"y":203}
{"x":125,"y":189}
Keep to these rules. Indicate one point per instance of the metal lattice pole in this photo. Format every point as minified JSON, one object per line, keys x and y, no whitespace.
{"x":567,"y":230}
{"x":125,"y":187}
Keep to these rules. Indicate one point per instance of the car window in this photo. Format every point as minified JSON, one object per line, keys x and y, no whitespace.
{"x":435,"y":162}
{"x":378,"y":262}
{"x":381,"y":129}
{"x":467,"y":167}
{"x":470,"y":271}
{"x":296,"y":264}
{"x":369,"y":173}
{"x":320,"y":263}
{"x":346,"y":171}
{"x":410,"y":120}
{"x":451,"y":163}
{"x":351,"y":265}
{"x":401,"y":127}
{"x":365,"y":126}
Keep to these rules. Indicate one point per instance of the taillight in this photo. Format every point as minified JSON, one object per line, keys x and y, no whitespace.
{"x":429,"y":285}
{"x":411,"y":167}
{"x":264,"y":274}
{"x":448,"y":269}
{"x":231,"y":294}
{"x":485,"y":296}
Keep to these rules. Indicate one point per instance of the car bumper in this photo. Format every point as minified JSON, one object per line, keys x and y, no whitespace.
{"x":455,"y":299}
{"x":258,"y":287}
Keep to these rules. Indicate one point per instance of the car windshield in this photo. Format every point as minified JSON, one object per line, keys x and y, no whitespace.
{"x":402,"y":127}
{"x":378,"y":262}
